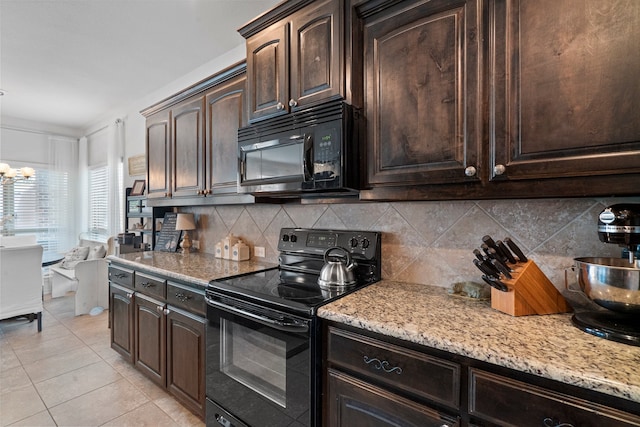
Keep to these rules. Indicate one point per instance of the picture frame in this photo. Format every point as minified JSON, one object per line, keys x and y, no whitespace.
{"x":138,"y":187}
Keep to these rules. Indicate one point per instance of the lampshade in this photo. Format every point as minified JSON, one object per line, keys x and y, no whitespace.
{"x":185,"y":221}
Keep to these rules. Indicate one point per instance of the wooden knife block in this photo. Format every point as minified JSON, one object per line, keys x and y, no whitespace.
{"x":530,"y":292}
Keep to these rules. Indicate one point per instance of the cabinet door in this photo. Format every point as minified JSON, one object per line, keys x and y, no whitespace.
{"x":565,"y":93}
{"x":158,"y":155}
{"x":268,"y":72}
{"x":498,"y":400}
{"x":225,"y":114}
{"x":352,"y":402}
{"x":150,"y":342}
{"x":188,"y":148}
{"x":121,"y":319}
{"x":186,"y":358}
{"x":316,"y":53}
{"x":422,"y":93}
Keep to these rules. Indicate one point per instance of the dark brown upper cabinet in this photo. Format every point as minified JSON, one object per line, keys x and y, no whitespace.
{"x":564,"y":90}
{"x":158,"y":148}
{"x":187,"y":131}
{"x":500,"y":99}
{"x":226,"y":112}
{"x":192,"y":142}
{"x":422,"y":100}
{"x":295,"y":60}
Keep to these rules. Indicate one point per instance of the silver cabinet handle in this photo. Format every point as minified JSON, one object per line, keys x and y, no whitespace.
{"x":382,"y":365}
{"x":167,"y":311}
{"x":470,"y":171}
{"x":499,"y":169}
{"x":293,"y":103}
{"x":280,"y":106}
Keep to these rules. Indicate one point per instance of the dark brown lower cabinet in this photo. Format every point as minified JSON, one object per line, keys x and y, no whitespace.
{"x":353,"y":402}
{"x":121,"y":320}
{"x":186,"y":358}
{"x":375,"y":380}
{"x":160,"y":328}
{"x":502,"y":401}
{"x":150,"y":333}
{"x":368,"y":381}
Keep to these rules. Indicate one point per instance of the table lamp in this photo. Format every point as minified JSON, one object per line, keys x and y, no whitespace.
{"x":185,"y":222}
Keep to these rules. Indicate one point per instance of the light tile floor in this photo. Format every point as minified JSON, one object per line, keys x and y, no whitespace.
{"x":68,"y":375}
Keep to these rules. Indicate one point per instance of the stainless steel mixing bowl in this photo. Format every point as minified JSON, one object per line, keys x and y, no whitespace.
{"x":613,"y":283}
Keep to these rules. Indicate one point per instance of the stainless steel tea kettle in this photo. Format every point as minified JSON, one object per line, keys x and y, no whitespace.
{"x":335,"y":273}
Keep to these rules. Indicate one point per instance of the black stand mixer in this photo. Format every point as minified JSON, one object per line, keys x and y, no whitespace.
{"x":613,"y":283}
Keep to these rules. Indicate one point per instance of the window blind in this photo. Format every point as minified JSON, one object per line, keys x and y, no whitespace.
{"x":98,"y":203}
{"x":38,"y":205}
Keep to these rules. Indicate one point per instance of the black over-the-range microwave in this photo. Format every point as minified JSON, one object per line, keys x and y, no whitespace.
{"x":310,"y":152}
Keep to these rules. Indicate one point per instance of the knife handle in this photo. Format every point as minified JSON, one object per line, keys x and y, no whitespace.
{"x":505,"y":251}
{"x":487,"y":240}
{"x":495,"y":283}
{"x":516,"y":250}
{"x":478,"y":254}
{"x":484,"y":267}
{"x":502,"y":268}
{"x":485,"y":248}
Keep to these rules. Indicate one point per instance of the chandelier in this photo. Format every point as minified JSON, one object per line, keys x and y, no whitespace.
{"x":8,"y":175}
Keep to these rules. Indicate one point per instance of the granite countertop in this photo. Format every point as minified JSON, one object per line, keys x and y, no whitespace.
{"x":548,"y":346}
{"x":195,"y":268}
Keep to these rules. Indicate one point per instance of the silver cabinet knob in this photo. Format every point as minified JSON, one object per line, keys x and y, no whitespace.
{"x":293,"y":103}
{"x":499,"y":169}
{"x":279,"y":106}
{"x":470,"y":171}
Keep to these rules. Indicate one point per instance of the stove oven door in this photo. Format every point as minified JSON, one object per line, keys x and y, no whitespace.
{"x":258,"y":365}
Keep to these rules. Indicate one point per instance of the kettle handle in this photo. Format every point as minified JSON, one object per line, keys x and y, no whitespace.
{"x":346,"y":252}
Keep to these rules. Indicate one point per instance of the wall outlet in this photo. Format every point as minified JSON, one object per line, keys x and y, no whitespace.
{"x":259,"y":251}
{"x":195,"y":244}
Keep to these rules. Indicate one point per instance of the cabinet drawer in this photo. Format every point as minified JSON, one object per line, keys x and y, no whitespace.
{"x":185,"y":297}
{"x":353,"y":402}
{"x":121,"y":276}
{"x":506,"y":402}
{"x":150,"y":285}
{"x":420,"y":374}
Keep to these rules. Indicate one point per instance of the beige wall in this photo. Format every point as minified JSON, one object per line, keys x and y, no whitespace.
{"x":429,"y":242}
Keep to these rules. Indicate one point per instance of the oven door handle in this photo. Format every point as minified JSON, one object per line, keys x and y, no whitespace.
{"x":277,"y":324}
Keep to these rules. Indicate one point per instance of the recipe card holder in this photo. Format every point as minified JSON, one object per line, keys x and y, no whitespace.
{"x":530,"y":292}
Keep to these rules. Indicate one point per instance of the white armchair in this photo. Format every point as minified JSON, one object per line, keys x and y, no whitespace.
{"x":88,"y":278}
{"x":21,"y":282}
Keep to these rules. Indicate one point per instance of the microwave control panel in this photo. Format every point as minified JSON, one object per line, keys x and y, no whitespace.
{"x":327,"y":150}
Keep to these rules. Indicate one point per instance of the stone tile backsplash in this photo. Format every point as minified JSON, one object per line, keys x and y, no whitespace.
{"x":428,"y":242}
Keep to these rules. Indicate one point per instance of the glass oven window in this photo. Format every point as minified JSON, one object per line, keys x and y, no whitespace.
{"x":255,"y":359}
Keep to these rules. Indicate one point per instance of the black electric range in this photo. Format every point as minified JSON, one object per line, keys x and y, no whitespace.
{"x":263,"y":357}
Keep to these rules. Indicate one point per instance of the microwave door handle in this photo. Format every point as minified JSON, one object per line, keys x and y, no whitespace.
{"x":307,"y":162}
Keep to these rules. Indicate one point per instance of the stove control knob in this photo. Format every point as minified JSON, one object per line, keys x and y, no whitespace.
{"x":293,"y":238}
{"x":353,"y":242}
{"x":285,"y":237}
{"x":365,"y":243}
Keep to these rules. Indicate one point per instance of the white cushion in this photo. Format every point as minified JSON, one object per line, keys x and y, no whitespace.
{"x":74,"y":256}
{"x":97,"y":252}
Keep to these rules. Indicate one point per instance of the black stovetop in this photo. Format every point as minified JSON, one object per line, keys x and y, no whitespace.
{"x":293,"y":286}
{"x":294,"y":292}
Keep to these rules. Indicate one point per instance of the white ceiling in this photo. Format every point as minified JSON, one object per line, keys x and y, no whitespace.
{"x":66,"y":62}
